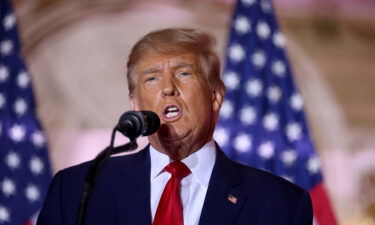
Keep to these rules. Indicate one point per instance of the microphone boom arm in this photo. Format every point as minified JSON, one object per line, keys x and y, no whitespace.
{"x":94,"y":170}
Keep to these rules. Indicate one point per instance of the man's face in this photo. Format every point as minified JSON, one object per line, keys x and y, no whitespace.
{"x":173,"y":86}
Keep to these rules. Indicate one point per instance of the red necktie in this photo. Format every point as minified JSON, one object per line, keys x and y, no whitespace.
{"x":169,"y":211}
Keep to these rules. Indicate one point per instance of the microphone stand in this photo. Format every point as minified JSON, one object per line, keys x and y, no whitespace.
{"x":94,"y":171}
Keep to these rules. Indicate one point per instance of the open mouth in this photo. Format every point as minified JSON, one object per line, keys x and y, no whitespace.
{"x":171,"y":112}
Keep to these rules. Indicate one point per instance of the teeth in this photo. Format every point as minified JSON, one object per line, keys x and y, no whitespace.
{"x":171,"y":114}
{"x":172,"y":109}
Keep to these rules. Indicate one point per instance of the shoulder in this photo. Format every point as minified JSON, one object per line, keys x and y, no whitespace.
{"x":273,"y":194}
{"x":66,"y":188}
{"x":266,"y":179}
{"x":264,"y":183}
{"x":112,"y":167}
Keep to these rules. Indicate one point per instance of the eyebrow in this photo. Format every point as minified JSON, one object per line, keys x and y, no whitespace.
{"x":151,"y":70}
{"x":158,"y":69}
{"x":183,"y":65}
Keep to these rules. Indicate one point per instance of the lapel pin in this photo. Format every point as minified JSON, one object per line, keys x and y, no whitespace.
{"x":232,"y":199}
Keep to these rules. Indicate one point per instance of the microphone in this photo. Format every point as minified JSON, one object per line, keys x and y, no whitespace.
{"x":136,"y":123}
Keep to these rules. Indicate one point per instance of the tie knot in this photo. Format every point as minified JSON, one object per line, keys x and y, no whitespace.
{"x":178,"y":169}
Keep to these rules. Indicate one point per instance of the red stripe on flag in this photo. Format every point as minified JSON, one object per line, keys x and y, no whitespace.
{"x":28,"y":223}
{"x":322,"y":206}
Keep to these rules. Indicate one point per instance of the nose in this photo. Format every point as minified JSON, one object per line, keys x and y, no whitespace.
{"x":169,"y":86}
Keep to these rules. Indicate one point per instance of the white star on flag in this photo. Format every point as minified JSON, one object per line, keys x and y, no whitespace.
{"x":279,"y":39}
{"x":278,"y":68}
{"x":259,"y":58}
{"x":38,"y":139}
{"x":289,"y":157}
{"x":274,"y":94}
{"x":242,"y":143}
{"x":242,"y":25}
{"x":4,"y":73}
{"x":12,"y":160}
{"x":296,"y":102}
{"x":32,"y":193}
{"x":231,"y":80}
{"x":236,"y":53}
{"x":313,"y":164}
{"x":9,"y":21}
{"x":221,"y":136}
{"x":248,"y":115}
{"x":293,"y":131}
{"x":266,"y":6}
{"x":36,"y":165}
{"x":271,"y":121}
{"x":6,"y":47}
{"x":17,"y":133}
{"x":266,"y":150}
{"x":20,"y":106}
{"x":4,"y":214}
{"x":254,"y":87}
{"x":8,"y":187}
{"x":226,"y":109}
{"x":23,"y":79}
{"x":248,"y":2}
{"x":263,"y":30}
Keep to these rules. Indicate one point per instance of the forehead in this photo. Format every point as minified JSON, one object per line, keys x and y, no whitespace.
{"x":167,"y":59}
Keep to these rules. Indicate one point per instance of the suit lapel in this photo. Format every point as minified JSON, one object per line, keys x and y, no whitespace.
{"x":224,"y":197}
{"x":133,"y":191}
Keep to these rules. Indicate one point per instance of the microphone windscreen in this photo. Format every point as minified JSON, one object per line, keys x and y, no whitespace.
{"x":136,"y":123}
{"x":152,"y":122}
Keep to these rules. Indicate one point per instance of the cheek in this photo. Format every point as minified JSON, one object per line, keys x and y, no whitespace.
{"x":143,"y":99}
{"x":200,"y":102}
{"x":150,"y":93}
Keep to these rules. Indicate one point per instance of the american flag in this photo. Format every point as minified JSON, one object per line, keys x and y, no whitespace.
{"x":24,"y":166}
{"x":262,"y":122}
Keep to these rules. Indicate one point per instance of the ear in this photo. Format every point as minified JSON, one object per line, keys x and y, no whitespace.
{"x":217,"y":98}
{"x":134,"y":102}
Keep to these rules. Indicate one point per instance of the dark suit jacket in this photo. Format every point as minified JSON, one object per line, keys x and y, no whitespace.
{"x":122,"y":196}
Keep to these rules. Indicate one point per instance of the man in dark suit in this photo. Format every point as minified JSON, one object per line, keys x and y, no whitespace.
{"x":182,"y":177}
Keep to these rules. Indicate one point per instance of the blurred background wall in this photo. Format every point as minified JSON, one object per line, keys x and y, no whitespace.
{"x":76,"y":52}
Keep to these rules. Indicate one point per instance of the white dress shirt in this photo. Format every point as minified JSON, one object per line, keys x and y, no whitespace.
{"x":193,"y":187}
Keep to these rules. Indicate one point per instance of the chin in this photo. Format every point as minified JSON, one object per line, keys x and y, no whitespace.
{"x":170,"y":134}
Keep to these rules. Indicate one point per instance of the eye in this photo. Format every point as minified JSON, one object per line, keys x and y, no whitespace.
{"x":184,"y":74}
{"x":150,"y":79}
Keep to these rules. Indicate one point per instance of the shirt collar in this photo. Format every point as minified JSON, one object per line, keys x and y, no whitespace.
{"x":200,"y":162}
